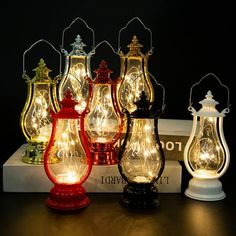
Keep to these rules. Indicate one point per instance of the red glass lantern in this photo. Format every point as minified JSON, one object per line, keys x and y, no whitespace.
{"x":104,"y":122}
{"x":68,"y":145}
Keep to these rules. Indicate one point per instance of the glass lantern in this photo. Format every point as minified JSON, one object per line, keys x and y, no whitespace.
{"x":104,"y":121}
{"x":141,"y":158}
{"x":134,"y":76}
{"x":68,"y":145}
{"x":77,"y":68}
{"x":35,"y":119}
{"x":206,"y":154}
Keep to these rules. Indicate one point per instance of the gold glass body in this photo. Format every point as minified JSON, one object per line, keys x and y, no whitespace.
{"x":35,"y":119}
{"x":134,"y":76}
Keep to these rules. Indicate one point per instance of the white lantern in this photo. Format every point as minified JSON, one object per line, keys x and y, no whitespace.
{"x":206,"y":154}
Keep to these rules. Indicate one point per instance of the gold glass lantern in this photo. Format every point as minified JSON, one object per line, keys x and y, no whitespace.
{"x":35,"y":119}
{"x":206,"y":154}
{"x":134,"y":73}
{"x":77,"y":68}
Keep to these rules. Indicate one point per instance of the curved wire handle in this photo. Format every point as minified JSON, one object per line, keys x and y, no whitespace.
{"x":163,"y":93}
{"x":150,"y":32}
{"x":39,"y":41}
{"x":106,"y":42}
{"x":214,"y":76}
{"x":68,"y":27}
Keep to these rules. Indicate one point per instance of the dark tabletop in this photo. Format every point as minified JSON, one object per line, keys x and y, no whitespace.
{"x":27,"y":214}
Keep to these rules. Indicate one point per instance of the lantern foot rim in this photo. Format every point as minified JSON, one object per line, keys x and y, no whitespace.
{"x":67,"y":198}
{"x":205,"y":190}
{"x":140,"y":196}
{"x":72,"y":206}
{"x":33,"y":160}
{"x":139,"y":205}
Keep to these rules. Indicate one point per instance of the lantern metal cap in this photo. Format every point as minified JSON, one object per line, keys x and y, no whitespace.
{"x":103,"y":74}
{"x":78,"y":47}
{"x":41,"y":73}
{"x":208,"y":107}
{"x":135,"y":48}
{"x":67,"y":107}
{"x":143,"y":107}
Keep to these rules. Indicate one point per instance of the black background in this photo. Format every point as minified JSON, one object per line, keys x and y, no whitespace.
{"x":190,"y":39}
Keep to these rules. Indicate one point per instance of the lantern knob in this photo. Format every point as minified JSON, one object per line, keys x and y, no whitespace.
{"x":68,"y":107}
{"x":209,"y":101}
{"x":78,"y":47}
{"x":135,"y":47}
{"x":41,"y":72}
{"x":143,"y":106}
{"x":103,"y":73}
{"x":208,"y":107}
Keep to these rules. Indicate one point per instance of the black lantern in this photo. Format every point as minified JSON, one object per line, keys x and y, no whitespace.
{"x":141,"y":159}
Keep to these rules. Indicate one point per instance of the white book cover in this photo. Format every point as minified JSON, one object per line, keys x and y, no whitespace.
{"x":21,"y":177}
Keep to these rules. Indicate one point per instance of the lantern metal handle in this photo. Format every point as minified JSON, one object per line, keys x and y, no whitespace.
{"x":102,"y":42}
{"x":190,"y":108}
{"x":150,"y":32}
{"x":163,"y":93}
{"x":39,"y":41}
{"x":68,"y":27}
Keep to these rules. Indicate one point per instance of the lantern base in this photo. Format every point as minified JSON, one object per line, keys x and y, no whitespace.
{"x":205,"y":189}
{"x":103,"y":154}
{"x":140,"y":196}
{"x":67,"y":197}
{"x":34,"y":154}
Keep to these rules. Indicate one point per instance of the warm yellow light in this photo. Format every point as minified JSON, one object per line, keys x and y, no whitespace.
{"x":37,"y":120}
{"x":69,"y":150}
{"x":77,"y":66}
{"x":135,"y":77}
{"x":206,"y":154}
{"x":102,"y":123}
{"x":141,"y":159}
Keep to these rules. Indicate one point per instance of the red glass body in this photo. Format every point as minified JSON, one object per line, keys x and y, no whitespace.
{"x":104,"y":122}
{"x":73,"y":163}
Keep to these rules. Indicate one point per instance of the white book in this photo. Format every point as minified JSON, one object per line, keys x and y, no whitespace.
{"x":22,"y":177}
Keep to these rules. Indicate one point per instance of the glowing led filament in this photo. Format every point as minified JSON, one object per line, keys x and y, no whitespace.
{"x":77,"y":67}
{"x":36,"y":122}
{"x":135,"y":77}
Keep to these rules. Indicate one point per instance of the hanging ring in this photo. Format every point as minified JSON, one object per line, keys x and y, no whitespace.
{"x":39,"y":41}
{"x":68,"y":27}
{"x":190,"y":108}
{"x":150,"y":32}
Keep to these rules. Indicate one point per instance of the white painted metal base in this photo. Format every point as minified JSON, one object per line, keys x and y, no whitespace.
{"x":205,"y":189}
